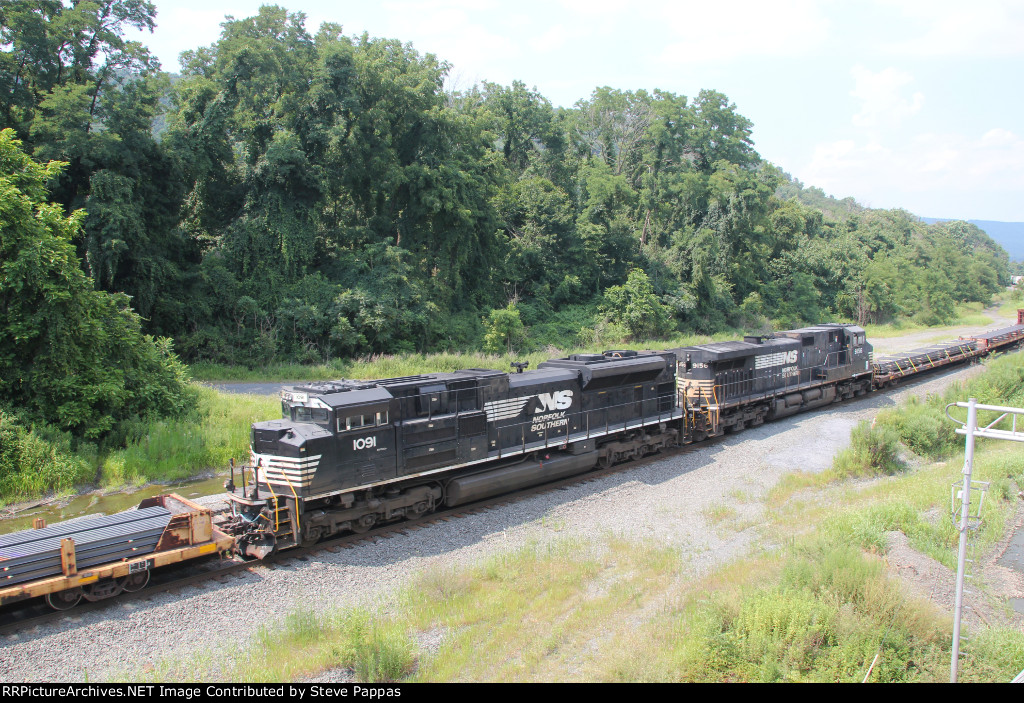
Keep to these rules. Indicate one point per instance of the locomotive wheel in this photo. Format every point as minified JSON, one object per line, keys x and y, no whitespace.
{"x":364,"y":524}
{"x":64,"y":600}
{"x":417,"y":510}
{"x":312,"y":536}
{"x":135,"y":582}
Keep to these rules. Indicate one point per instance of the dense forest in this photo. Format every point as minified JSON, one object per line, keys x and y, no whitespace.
{"x":308,"y":196}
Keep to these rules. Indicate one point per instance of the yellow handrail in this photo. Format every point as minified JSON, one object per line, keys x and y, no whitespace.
{"x":277,"y":516}
{"x":294,"y":495}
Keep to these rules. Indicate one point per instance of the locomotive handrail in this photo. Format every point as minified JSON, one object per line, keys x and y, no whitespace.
{"x":298,"y":526}
{"x":277,"y":516}
{"x":777,"y":382}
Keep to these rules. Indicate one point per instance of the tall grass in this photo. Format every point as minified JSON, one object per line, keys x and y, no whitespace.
{"x":168,"y":450}
{"x":820,"y":615}
{"x":303,"y":643}
{"x":872,"y":451}
{"x":33,"y":462}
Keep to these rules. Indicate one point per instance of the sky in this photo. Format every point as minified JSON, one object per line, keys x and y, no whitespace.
{"x":913,"y":104}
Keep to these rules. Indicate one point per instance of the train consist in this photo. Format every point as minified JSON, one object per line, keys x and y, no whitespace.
{"x":348,"y":455}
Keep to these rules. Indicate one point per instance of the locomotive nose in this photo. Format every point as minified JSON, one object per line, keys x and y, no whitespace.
{"x":276,"y":437}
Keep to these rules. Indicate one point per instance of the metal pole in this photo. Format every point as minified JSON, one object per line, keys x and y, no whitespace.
{"x":972,"y":426}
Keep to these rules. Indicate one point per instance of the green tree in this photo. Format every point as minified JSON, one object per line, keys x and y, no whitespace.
{"x":504,"y":328}
{"x":69,"y":355}
{"x":76,"y":90}
{"x":635,"y":306}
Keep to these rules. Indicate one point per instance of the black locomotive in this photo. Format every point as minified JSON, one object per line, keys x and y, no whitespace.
{"x":730,"y":385}
{"x":348,"y":455}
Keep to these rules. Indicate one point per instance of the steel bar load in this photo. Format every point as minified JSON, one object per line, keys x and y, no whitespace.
{"x":36,"y":554}
{"x":917,"y":360}
{"x":99,"y":557}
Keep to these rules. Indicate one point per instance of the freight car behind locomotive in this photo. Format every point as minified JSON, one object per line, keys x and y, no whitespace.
{"x":349,"y":454}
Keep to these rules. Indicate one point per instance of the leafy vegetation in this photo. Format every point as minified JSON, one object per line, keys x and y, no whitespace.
{"x":70,"y":356}
{"x":307,"y":197}
{"x":32,"y":463}
{"x":313,"y":196}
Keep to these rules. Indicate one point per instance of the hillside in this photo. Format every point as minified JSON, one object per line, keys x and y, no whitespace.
{"x":1009,"y":235}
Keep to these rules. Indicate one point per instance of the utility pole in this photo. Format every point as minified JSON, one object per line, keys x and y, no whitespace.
{"x":965,"y":503}
{"x":971,"y":430}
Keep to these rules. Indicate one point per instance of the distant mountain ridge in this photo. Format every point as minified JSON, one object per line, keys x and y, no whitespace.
{"x":1009,"y":235}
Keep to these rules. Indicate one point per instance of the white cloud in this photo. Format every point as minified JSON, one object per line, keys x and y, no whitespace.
{"x":704,"y":31}
{"x":687,"y":31}
{"x":456,"y":30}
{"x":959,"y":28}
{"x":929,"y":174}
{"x":881,"y":94}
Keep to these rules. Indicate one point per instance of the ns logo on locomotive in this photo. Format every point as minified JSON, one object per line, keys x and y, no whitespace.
{"x":347,"y":455}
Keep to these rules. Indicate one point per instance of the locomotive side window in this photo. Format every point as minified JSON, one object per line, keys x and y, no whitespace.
{"x":354,"y":422}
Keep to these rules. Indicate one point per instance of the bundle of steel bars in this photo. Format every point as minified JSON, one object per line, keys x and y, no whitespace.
{"x":35,"y":554}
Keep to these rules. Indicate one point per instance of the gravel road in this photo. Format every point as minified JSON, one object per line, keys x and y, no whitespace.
{"x":661,"y":501}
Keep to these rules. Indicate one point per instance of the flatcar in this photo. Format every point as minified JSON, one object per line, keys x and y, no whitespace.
{"x":100,"y":557}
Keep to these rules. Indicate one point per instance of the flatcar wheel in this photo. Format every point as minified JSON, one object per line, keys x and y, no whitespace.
{"x":101,"y":590}
{"x":135,"y":582}
{"x":64,"y":600}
